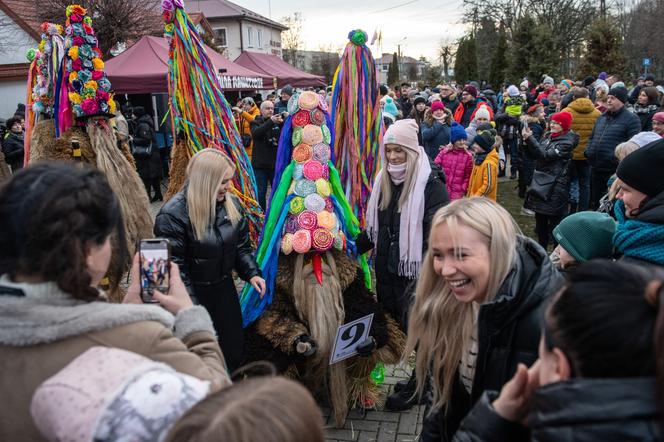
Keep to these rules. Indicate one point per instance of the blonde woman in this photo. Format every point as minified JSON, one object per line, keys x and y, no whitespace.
{"x":209,"y":238}
{"x":477,"y":306}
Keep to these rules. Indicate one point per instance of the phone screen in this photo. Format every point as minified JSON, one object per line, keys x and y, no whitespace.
{"x":155,"y":265}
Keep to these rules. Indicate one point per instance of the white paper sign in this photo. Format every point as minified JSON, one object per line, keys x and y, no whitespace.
{"x":349,"y":336}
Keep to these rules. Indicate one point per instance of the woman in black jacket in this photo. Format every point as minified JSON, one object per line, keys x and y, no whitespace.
{"x":148,"y":165}
{"x":12,"y":145}
{"x":548,"y":195}
{"x":478,"y":301}
{"x":595,"y":377}
{"x":209,"y":238}
{"x":406,"y":194}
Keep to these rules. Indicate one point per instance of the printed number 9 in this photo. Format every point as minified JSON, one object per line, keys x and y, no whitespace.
{"x":352,"y":335}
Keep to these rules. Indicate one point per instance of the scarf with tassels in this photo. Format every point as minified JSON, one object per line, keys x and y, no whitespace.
{"x":638,"y":239}
{"x":411,"y":218}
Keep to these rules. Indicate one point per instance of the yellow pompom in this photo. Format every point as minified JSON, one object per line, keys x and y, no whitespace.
{"x":111,"y":106}
{"x":91,"y":85}
{"x":73,"y":76}
{"x":42,"y":45}
{"x":97,"y":64}
{"x":73,"y":53}
{"x":74,"y":98}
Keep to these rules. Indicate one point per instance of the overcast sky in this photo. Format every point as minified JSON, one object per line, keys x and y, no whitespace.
{"x":419,"y":25}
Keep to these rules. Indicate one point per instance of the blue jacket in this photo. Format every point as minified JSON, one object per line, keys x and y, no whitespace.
{"x":610,"y":130}
{"x":434,"y":136}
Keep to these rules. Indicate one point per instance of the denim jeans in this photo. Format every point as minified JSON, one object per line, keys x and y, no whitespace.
{"x":263,"y":178}
{"x":515,"y":156}
{"x":581,"y":172}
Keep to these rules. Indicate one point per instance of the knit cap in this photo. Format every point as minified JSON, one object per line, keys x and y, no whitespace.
{"x":404,"y":133}
{"x":486,"y":137}
{"x":483,"y":112}
{"x":419,"y":99}
{"x":567,"y":83}
{"x":512,"y":91}
{"x":644,"y":138}
{"x":390,"y":108}
{"x":548,"y":80}
{"x":113,"y":394}
{"x":620,"y":93}
{"x":288,"y":90}
{"x":659,"y":116}
{"x":472,"y":90}
{"x":457,"y":132}
{"x":437,"y":105}
{"x":642,"y":169}
{"x":586,"y":235}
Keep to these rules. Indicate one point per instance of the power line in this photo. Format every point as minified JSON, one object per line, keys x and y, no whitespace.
{"x":394,"y":7}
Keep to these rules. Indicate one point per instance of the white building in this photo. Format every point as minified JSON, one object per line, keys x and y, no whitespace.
{"x":18,"y":33}
{"x":407,"y":66}
{"x":238,"y":29}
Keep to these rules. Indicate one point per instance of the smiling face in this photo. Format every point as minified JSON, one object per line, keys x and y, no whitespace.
{"x":632,"y":198}
{"x":395,"y":154}
{"x":462,"y":259}
{"x":555,"y":127}
{"x":643,"y":99}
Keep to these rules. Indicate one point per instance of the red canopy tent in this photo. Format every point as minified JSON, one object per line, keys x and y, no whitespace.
{"x":274,"y":66}
{"x":143,"y":69}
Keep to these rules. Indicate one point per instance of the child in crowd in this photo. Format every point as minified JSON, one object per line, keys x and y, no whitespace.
{"x":508,"y":124}
{"x":482,"y":116}
{"x":456,"y":162}
{"x":581,"y":237}
{"x":484,"y":177}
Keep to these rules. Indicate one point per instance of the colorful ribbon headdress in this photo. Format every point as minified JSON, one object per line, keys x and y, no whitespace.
{"x":198,"y":108}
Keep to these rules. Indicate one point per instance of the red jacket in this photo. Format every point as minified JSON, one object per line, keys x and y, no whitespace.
{"x":458,"y":166}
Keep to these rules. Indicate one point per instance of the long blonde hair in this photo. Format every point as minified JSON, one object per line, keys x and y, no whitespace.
{"x":441,"y":326}
{"x":385,"y":181}
{"x":205,"y":172}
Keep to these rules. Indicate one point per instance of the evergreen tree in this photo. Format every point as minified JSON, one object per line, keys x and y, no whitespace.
{"x":604,"y":51}
{"x":465,"y":66}
{"x":393,"y":70}
{"x":519,"y":54}
{"x":499,"y":61}
{"x":544,"y":56}
{"x":486,"y":40}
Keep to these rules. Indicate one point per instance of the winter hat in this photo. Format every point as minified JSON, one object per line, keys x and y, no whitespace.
{"x":390,"y":108}
{"x":383,"y":90}
{"x":437,"y":105}
{"x":513,"y":91}
{"x":588,"y":81}
{"x":564,"y":119}
{"x":525,"y":84}
{"x":112,"y":394}
{"x":288,"y":90}
{"x":660,"y":89}
{"x":486,"y":137}
{"x":644,"y":138}
{"x":586,"y":235}
{"x":620,"y":93}
{"x":642,"y":169}
{"x":532,"y":109}
{"x":436,"y":90}
{"x":457,"y":132}
{"x":404,"y":133}
{"x":618,"y":84}
{"x":472,"y":90}
{"x":650,"y":77}
{"x":419,"y":99}
{"x":602,"y":76}
{"x":567,"y":83}
{"x":483,"y":112}
{"x":659,"y":116}
{"x":548,"y":80}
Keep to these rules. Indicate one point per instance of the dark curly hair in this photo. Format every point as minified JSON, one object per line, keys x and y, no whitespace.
{"x":50,"y":215}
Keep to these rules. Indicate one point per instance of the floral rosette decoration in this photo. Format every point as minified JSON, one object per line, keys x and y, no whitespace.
{"x":43,"y":90}
{"x":89,"y":88}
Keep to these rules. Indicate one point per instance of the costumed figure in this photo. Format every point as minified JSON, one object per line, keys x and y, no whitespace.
{"x":358,"y":122}
{"x":70,"y":103}
{"x":313,"y":285}
{"x":200,"y":115}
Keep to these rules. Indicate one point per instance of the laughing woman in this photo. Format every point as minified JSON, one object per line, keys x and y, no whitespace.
{"x":477,"y":307}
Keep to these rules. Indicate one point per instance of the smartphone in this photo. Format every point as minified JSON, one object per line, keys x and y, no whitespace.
{"x":155,"y":263}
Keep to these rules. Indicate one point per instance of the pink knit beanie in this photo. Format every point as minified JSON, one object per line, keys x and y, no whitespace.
{"x":403,"y":133}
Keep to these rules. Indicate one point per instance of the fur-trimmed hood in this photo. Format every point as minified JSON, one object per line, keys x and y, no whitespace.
{"x":527,"y":119}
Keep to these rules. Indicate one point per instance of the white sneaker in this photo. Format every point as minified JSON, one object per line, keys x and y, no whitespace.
{"x":527,"y":212}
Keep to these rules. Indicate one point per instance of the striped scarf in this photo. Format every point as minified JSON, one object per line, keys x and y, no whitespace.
{"x":638,"y":239}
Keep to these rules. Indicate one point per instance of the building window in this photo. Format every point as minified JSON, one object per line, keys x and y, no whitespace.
{"x":250,"y":36}
{"x":259,"y":37}
{"x":385,"y":67}
{"x":220,"y":37}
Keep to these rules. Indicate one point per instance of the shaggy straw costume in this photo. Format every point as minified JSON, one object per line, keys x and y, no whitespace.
{"x":313,"y":286}
{"x":51,"y":139}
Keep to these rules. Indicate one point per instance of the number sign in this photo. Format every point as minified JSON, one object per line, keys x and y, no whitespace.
{"x":348,"y":337}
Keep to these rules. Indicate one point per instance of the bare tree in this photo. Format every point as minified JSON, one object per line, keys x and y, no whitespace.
{"x":115,"y":22}
{"x":446,"y":53}
{"x":325,"y":62}
{"x":291,"y":39}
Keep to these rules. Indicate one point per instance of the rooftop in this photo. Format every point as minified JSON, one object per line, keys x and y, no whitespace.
{"x":23,"y":13}
{"x":225,"y":9}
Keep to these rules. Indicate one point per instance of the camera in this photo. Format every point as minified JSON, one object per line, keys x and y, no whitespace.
{"x":283,"y":115}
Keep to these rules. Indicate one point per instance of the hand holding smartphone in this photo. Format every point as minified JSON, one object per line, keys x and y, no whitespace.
{"x":155,"y":264}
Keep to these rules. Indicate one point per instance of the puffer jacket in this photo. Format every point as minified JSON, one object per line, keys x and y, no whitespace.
{"x":484,"y":177}
{"x":244,"y":125}
{"x":584,"y":116}
{"x":611,"y":129}
{"x":12,"y":147}
{"x":576,"y":410}
{"x":208,"y":261}
{"x":150,"y":167}
{"x":509,"y":329}
{"x":434,"y":136}
{"x":553,"y":157}
{"x":458,"y":166}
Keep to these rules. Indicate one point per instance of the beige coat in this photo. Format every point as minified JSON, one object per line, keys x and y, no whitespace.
{"x":40,"y":333}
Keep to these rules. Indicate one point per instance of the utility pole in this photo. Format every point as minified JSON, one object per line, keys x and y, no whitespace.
{"x":602,"y":9}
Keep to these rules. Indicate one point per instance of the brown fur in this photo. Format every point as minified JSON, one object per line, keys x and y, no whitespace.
{"x":179,"y":162}
{"x":346,"y":269}
{"x":45,"y":147}
{"x":280,"y":325}
{"x":5,"y":174}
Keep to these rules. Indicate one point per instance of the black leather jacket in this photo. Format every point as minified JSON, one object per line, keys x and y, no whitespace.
{"x":211,"y":260}
{"x":577,"y":410}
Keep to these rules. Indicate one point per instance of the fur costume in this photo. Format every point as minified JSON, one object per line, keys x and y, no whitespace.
{"x":313,"y":286}
{"x":56,"y":90}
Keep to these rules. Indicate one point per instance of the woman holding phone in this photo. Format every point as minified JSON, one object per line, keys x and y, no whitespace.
{"x":209,"y":238}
